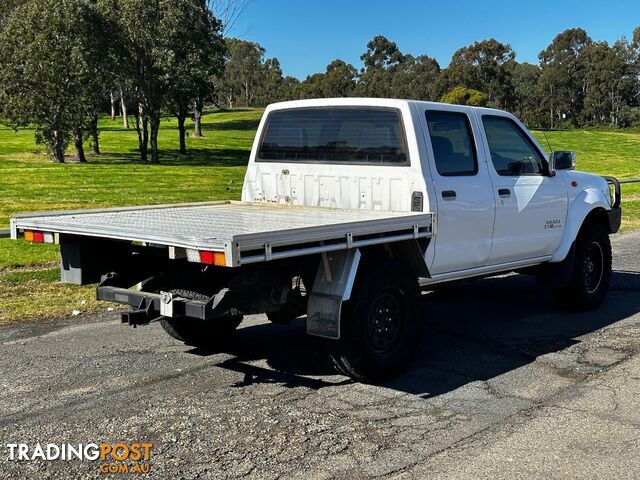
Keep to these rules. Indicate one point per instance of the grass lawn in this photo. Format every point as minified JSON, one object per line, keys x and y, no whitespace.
{"x":213,"y":169}
{"x":606,"y":152}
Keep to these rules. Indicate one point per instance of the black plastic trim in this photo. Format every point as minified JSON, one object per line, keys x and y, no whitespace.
{"x":615,"y":219}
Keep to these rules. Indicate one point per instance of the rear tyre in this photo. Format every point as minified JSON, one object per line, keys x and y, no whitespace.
{"x":591,"y":270}
{"x":294,"y":308}
{"x":378,"y":325}
{"x":196,"y":332}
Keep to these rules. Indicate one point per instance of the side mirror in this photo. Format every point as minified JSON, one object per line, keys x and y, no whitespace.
{"x":563,"y":160}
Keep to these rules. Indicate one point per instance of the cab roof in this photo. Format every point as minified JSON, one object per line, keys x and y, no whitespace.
{"x":375,"y":102}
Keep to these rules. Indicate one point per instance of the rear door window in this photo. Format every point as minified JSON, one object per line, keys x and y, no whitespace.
{"x":336,"y":135}
{"x":452,"y":142}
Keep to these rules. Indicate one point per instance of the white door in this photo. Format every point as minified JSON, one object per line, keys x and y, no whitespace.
{"x":531,"y":206}
{"x":464,"y":193}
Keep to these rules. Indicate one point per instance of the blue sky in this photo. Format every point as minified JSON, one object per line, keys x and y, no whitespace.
{"x":305,"y":35}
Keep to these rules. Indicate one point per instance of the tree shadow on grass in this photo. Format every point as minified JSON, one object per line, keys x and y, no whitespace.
{"x":131,"y":130}
{"x":247,"y":124}
{"x":195,"y":157}
{"x":224,"y":125}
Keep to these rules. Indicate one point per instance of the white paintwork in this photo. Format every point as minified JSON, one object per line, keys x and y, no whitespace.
{"x":337,"y":186}
{"x":477,"y":233}
{"x":520,"y":229}
{"x":464,"y":224}
{"x":591,"y":192}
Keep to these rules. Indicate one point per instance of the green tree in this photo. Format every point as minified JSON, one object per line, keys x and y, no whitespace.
{"x":143,"y":65}
{"x":193,"y":35}
{"x":381,"y":62}
{"x":226,"y":12}
{"x":156,"y":66}
{"x":465,"y":96}
{"x":6,"y":9}
{"x":484,"y":66}
{"x":313,"y":86}
{"x":269,"y":84}
{"x":562,"y":80}
{"x":526,"y":93}
{"x":290,"y":89}
{"x":608,"y":82}
{"x":51,"y":56}
{"x":242,"y":73}
{"x":634,"y":64}
{"x":417,"y":78}
{"x":339,"y":79}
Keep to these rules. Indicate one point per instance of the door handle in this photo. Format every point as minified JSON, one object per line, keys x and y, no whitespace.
{"x":504,"y":192}
{"x":449,"y":194}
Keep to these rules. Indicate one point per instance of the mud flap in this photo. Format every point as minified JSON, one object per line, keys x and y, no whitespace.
{"x":332,"y":285}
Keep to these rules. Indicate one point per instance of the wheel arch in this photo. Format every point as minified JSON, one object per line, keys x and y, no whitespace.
{"x":409,"y":253}
{"x":336,"y":275}
{"x":589,"y":206}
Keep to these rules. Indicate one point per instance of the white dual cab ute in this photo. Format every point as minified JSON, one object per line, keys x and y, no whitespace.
{"x":350,"y":207}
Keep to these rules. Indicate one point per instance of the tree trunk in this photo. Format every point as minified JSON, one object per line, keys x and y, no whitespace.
{"x":247,"y":100}
{"x":181,"y":130}
{"x":143,"y":133}
{"x":198,"y":107}
{"x":145,"y":139}
{"x":58,"y":150}
{"x":95,"y":135}
{"x":80,"y":146}
{"x":113,"y":105}
{"x":123,"y":110}
{"x":138,"y":130}
{"x":155,"y":128}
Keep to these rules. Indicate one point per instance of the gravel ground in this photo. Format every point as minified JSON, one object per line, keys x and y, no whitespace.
{"x":505,"y":385}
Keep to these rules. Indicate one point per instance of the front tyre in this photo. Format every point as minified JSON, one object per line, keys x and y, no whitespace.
{"x":591,"y":270}
{"x":378,"y":324}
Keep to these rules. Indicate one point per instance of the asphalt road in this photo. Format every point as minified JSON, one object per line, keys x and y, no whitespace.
{"x":506,"y":385}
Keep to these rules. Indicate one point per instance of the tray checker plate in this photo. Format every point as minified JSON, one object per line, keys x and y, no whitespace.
{"x":214,"y":225}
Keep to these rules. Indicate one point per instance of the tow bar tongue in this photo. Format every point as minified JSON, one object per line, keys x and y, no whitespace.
{"x":142,"y":315}
{"x":136,"y":317}
{"x":146,"y":313}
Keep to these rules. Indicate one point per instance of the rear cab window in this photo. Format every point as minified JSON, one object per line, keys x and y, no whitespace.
{"x":452,"y":143}
{"x":335,"y":135}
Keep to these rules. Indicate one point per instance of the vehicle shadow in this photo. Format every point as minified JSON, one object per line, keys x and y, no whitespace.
{"x":469,"y":332}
